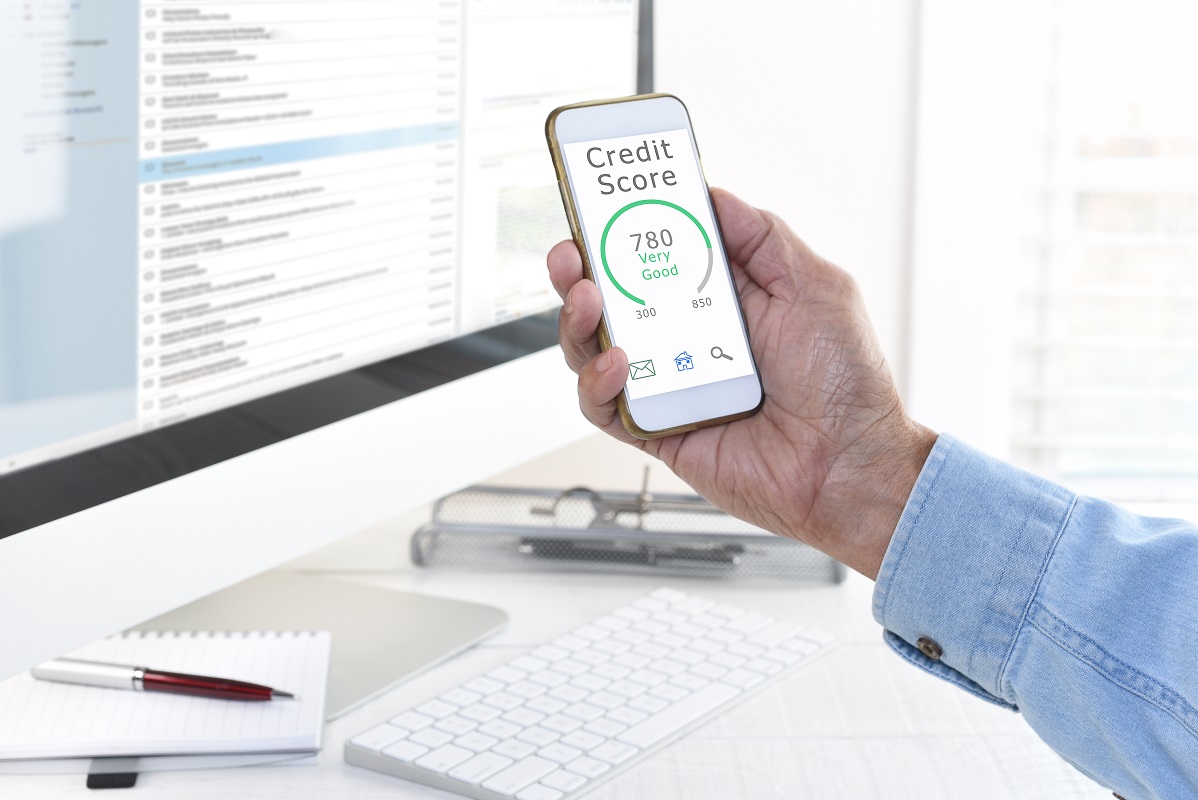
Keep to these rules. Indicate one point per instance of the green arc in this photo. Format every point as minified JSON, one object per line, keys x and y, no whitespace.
{"x":616,"y":216}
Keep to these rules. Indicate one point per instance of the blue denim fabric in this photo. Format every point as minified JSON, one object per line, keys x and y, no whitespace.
{"x":1079,"y":615}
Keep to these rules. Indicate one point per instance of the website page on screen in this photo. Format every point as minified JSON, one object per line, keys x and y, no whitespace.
{"x":219,"y":200}
{"x":668,"y":297}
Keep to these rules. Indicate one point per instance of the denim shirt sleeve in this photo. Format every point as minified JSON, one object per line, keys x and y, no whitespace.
{"x":1079,"y":615}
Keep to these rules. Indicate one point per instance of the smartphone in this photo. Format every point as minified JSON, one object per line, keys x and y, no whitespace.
{"x":641,"y":215}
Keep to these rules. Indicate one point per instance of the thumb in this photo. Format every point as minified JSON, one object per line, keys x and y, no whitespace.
{"x":757,"y":240}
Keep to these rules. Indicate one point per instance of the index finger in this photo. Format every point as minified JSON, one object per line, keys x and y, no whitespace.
{"x":565,"y":266}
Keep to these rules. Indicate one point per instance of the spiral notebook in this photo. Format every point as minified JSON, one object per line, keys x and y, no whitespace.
{"x":42,"y":719}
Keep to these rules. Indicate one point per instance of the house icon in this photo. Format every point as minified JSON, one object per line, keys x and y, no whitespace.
{"x":684,"y":361}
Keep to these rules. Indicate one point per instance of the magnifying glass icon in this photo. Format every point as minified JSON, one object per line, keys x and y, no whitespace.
{"x":718,"y":352}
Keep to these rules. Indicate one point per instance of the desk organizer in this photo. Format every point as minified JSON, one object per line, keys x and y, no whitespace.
{"x":498,"y":528}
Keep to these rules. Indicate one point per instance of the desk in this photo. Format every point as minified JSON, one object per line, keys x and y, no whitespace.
{"x":858,"y":723}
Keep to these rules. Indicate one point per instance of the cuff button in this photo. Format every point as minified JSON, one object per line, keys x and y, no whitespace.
{"x":929,"y":648}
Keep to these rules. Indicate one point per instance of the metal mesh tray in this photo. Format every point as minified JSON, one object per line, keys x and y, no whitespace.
{"x":498,"y":528}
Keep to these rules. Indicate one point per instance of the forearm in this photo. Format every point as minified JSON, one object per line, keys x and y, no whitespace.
{"x":1068,"y":609}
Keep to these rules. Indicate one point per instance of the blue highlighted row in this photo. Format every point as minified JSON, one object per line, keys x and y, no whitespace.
{"x":196,"y":165}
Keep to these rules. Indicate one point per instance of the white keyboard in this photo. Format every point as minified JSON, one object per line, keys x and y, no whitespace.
{"x":562,"y":719}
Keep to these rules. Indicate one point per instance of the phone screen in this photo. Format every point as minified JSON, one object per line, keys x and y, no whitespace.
{"x":668,"y":296}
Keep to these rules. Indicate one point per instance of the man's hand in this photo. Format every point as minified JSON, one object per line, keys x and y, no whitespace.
{"x":831,"y":457}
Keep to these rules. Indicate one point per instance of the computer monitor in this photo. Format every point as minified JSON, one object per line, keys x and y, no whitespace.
{"x":270,"y":273}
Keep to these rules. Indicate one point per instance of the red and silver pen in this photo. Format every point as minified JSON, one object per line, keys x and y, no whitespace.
{"x":144,"y":679}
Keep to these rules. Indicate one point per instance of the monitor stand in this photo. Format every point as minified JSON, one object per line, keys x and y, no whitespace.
{"x":381,"y":637}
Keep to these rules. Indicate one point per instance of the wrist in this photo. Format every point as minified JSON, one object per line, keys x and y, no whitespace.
{"x":863,"y":497}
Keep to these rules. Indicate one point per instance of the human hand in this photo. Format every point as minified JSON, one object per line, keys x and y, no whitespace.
{"x":831,"y":456}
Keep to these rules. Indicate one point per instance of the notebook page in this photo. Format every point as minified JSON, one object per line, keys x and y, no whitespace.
{"x":43,"y":719}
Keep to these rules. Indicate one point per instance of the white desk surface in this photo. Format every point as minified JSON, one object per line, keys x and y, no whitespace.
{"x":858,"y":723}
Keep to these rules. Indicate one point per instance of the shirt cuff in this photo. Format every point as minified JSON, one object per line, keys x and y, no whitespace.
{"x":965,"y":563}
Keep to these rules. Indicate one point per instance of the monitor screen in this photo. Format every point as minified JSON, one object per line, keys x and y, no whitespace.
{"x":222,"y":222}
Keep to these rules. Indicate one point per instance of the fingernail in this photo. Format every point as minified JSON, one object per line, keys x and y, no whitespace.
{"x":568,"y":307}
{"x":603,"y":363}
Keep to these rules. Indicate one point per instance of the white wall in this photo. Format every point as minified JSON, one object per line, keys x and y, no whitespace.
{"x":807,"y":108}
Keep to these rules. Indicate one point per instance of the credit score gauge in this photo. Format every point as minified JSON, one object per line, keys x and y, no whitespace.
{"x":651,"y":247}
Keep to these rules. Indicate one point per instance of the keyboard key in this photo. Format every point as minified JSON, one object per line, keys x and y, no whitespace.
{"x":745,"y":649}
{"x":588,"y":767}
{"x":669,"y":691}
{"x":514,"y":749}
{"x":651,"y":650}
{"x":612,"y":622}
{"x":379,"y":737}
{"x":612,"y":752}
{"x":650,"y":604}
{"x":689,"y":630}
{"x":506,"y":674}
{"x":694,"y":605}
{"x":743,"y":678}
{"x":481,"y":713}
{"x":628,"y":716}
{"x":632,"y":637}
{"x":725,"y":636}
{"x":764,"y":666}
{"x":669,"y":595}
{"x":545,"y":705}
{"x":569,"y":693}
{"x":651,"y":627}
{"x":412,"y":721}
{"x":689,"y":657}
{"x":689,"y":681}
{"x":591,"y":656}
{"x":570,"y":667}
{"x":728,"y":660}
{"x":538,"y":736}
{"x":750,"y":624}
{"x":456,"y":725}
{"x":612,"y":671}
{"x":709,"y":621}
{"x":523,"y":717}
{"x":571,"y":643}
{"x":783,"y":656}
{"x":405,"y":750}
{"x":476,"y":742}
{"x":590,"y":681}
{"x":607,"y":700}
{"x":519,"y":775}
{"x":647,"y":703}
{"x":538,"y":792}
{"x":628,"y":688}
{"x":561,"y":723}
{"x":483,"y":686}
{"x":548,"y":677}
{"x":669,"y":617}
{"x":528,"y":664}
{"x":648,"y":677}
{"x":727,"y":612}
{"x":566,"y":781}
{"x":707,"y":646}
{"x":684,"y":712}
{"x":583,"y":711}
{"x":460,"y":697}
{"x":504,"y":701}
{"x":550,"y":653}
{"x":431,"y":738}
{"x":560,"y":753}
{"x":479,"y":768}
{"x":668,"y":666}
{"x":605,"y":727}
{"x":774,"y":635}
{"x":444,"y":758}
{"x":500,"y":729}
{"x":631,"y":613}
{"x":710,"y":671}
{"x":437,"y":709}
{"x":632,"y":661}
{"x":583,"y":740}
{"x":672,"y":640}
{"x":591,"y":633}
{"x":529,"y":690}
{"x":613,"y":647}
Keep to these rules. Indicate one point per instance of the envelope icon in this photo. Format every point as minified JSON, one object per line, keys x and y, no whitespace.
{"x":641,"y":369}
